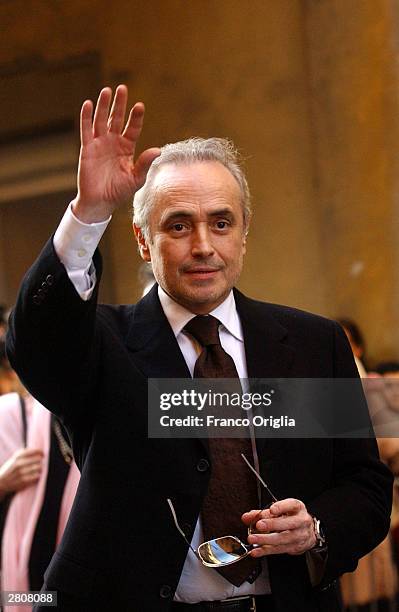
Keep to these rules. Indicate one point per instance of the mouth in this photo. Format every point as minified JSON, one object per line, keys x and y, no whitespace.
{"x":202,"y":272}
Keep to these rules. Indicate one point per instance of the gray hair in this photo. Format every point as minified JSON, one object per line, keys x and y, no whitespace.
{"x":186,"y":152}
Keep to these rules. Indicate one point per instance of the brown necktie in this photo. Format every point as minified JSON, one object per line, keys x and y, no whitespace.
{"x":232,"y":490}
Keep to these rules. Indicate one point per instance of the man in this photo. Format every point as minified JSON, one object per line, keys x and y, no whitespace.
{"x":121,"y":549}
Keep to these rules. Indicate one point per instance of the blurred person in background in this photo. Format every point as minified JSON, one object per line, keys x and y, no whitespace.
{"x":386,"y":419}
{"x":373,"y":586}
{"x":3,"y":322}
{"x":389,"y":371}
{"x":356,"y":340}
{"x":9,"y":381}
{"x":146,"y":277}
{"x":38,"y":482}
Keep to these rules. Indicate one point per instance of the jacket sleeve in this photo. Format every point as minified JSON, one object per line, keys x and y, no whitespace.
{"x":52,"y":342}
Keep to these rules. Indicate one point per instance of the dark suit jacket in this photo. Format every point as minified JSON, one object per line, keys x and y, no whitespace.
{"x":89,"y":364}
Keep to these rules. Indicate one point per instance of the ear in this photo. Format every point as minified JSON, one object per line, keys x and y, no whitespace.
{"x":141,"y":241}
{"x":244,"y":243}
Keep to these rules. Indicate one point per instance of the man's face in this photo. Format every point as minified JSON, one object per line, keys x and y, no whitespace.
{"x":197,"y":238}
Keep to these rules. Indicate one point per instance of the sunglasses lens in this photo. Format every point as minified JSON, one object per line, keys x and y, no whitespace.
{"x":221,"y":551}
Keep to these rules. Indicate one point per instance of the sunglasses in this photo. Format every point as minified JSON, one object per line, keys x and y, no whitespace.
{"x":225,"y":550}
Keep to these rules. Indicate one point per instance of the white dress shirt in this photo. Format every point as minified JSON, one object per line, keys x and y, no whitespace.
{"x":75,"y":243}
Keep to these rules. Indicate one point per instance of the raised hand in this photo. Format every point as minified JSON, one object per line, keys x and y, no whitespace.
{"x":108,"y":176}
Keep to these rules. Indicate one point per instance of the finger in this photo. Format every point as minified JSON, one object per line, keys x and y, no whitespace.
{"x":32,"y":452}
{"x":289,"y":536}
{"x":286,"y":506}
{"x":118,"y":110}
{"x":27,"y":470}
{"x":293,"y":543}
{"x":29,"y":461}
{"x":27,"y":481}
{"x":101,"y":113}
{"x":263,"y":551}
{"x":272,"y":548}
{"x":23,"y":462}
{"x":134,"y":123}
{"x":30,"y":476}
{"x":254,"y":515}
{"x":281,"y":524}
{"x":86,"y":125}
{"x":143,"y":164}
{"x":296,"y":547}
{"x":274,"y":539}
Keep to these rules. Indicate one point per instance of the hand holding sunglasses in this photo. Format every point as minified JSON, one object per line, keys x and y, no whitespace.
{"x":285,"y":527}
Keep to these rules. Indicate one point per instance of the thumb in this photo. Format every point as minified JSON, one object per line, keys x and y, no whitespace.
{"x":143,"y":164}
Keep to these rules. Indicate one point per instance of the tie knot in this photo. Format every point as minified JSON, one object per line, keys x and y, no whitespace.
{"x":204,"y":328}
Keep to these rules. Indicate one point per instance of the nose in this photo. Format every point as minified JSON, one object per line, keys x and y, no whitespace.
{"x":202,"y":241}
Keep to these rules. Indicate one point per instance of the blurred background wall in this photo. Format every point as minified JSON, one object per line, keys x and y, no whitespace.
{"x":307,"y":89}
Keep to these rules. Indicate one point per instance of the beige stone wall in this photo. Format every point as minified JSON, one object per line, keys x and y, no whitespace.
{"x":306,"y":89}
{"x":353,"y":53}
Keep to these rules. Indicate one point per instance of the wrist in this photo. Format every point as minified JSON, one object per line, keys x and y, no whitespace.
{"x":88,"y":214}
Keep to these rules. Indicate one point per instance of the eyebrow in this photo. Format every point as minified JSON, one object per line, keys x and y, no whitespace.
{"x":221,"y":212}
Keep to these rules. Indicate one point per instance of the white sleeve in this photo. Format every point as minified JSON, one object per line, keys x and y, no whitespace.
{"x":75,"y":243}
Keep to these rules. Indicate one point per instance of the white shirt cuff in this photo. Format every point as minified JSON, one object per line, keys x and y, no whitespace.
{"x":75,"y":243}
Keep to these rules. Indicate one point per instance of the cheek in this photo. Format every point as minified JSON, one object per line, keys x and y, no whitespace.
{"x":235,"y":254}
{"x":164,"y":258}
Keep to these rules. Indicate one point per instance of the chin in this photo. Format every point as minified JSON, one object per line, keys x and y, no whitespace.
{"x":212,"y":299}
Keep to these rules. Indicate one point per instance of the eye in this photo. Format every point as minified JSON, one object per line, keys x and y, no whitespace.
{"x":178,"y":227}
{"x":222,"y":224}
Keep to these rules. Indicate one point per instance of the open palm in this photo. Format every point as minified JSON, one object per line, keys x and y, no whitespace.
{"x":108,"y":175}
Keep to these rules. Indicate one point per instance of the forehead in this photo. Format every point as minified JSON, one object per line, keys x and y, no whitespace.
{"x":195,"y":183}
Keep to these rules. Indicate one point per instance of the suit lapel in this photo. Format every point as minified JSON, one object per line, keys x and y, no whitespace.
{"x":268,"y":353}
{"x":153,"y":345}
{"x":154,"y":348}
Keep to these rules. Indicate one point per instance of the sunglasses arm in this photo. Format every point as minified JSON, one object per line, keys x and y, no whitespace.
{"x":180,"y":530}
{"x":259,"y":477}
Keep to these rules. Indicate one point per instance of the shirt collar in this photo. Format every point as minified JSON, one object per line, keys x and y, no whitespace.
{"x":178,"y":316}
